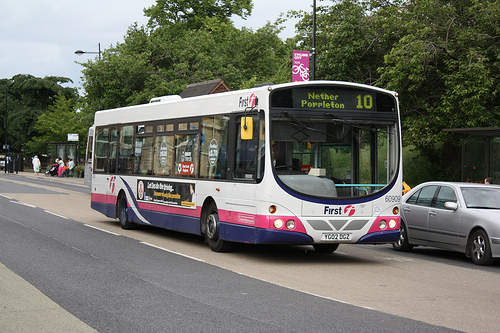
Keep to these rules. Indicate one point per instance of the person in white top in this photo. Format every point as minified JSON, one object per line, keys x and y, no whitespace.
{"x":36,"y":165}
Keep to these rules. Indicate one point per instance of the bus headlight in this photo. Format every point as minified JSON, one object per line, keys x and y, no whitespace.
{"x":278,"y":223}
{"x":382,"y":224}
{"x":290,"y":224}
{"x":392,"y":223}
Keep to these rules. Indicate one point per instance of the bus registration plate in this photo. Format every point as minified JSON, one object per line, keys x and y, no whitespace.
{"x":336,"y":237}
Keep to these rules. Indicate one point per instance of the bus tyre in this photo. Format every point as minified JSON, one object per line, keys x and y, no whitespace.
{"x":212,"y":231}
{"x":325,"y":248}
{"x":402,"y":244}
{"x":480,"y":249}
{"x":123,"y":214}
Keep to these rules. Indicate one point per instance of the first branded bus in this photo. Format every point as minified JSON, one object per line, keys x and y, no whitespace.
{"x":313,"y":163}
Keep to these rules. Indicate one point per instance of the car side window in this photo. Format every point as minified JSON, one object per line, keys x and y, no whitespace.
{"x":426,"y":195}
{"x":413,"y":198}
{"x":446,"y":194}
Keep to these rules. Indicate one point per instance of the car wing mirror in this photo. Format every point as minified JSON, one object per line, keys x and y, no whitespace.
{"x":451,"y":205}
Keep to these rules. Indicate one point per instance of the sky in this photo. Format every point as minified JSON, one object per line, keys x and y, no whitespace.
{"x":40,"y":37}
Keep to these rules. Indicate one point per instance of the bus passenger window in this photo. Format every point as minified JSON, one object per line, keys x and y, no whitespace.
{"x":186,"y":155}
{"x":164,"y":155}
{"x":213,"y":159}
{"x":143,"y":156}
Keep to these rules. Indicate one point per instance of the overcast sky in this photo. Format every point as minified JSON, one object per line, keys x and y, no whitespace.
{"x":40,"y":37}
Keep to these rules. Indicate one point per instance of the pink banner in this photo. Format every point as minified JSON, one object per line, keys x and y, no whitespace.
{"x":300,"y":66}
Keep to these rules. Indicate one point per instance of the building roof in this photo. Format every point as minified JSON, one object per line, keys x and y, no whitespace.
{"x":205,"y":88}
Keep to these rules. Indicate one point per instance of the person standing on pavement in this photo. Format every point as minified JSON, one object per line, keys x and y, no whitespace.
{"x":61,"y":167}
{"x":36,"y":165}
{"x":71,"y":165}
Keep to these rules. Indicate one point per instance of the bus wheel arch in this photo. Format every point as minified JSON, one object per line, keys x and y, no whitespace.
{"x":210,"y":227}
{"x":122,"y":212}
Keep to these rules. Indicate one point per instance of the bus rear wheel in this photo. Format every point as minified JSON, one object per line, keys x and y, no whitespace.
{"x":123,"y":214}
{"x":212,"y":231}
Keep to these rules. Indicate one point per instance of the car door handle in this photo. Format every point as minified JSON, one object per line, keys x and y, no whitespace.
{"x":432,"y":213}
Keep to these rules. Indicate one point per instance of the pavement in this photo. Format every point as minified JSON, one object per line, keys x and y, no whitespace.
{"x":24,"y":308}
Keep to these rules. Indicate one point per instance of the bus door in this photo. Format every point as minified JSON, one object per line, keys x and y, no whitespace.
{"x":248,"y":167}
{"x":112,"y":163}
{"x":87,"y":171}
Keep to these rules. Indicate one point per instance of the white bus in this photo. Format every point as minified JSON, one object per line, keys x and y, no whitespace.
{"x":314,"y":163}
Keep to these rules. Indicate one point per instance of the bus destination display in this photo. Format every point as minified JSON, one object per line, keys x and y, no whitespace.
{"x":328,"y":99}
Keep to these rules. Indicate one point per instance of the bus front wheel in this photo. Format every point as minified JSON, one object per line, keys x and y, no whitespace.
{"x":212,"y":231}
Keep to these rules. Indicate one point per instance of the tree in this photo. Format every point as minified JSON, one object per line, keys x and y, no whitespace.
{"x":165,"y":60}
{"x":446,"y":71}
{"x":28,"y":97}
{"x":440,"y":56}
{"x":194,"y":12}
{"x":352,"y":38}
{"x":56,"y":123}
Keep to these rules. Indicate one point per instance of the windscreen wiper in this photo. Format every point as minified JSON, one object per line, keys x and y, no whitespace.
{"x":304,"y":126}
{"x":352,"y":124}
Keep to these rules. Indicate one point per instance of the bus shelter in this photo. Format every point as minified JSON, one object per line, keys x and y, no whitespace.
{"x":480,"y":153}
{"x":64,"y":150}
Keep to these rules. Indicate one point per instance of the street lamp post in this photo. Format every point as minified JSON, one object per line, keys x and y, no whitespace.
{"x":6,"y":146}
{"x":80,"y":52}
{"x":313,"y":65}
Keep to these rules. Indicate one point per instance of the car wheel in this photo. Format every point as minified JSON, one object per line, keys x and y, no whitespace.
{"x":480,"y":249}
{"x":325,"y":248}
{"x":212,"y":231}
{"x":123,"y":214}
{"x":402,"y":244}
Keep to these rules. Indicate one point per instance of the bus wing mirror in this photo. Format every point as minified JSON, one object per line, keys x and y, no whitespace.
{"x":246,"y":128}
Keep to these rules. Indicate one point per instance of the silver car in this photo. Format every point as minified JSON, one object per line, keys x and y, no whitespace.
{"x":463,"y":217}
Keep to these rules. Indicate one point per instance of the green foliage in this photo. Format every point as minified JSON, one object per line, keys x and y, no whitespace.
{"x":56,"y":123}
{"x":27,"y":98}
{"x":445,"y":68}
{"x":165,"y":60}
{"x":194,"y":12}
{"x":440,"y":56}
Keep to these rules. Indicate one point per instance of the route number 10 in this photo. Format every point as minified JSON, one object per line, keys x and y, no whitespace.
{"x":365,"y":102}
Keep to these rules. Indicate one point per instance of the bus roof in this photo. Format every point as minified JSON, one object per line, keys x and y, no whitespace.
{"x":174,"y":106}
